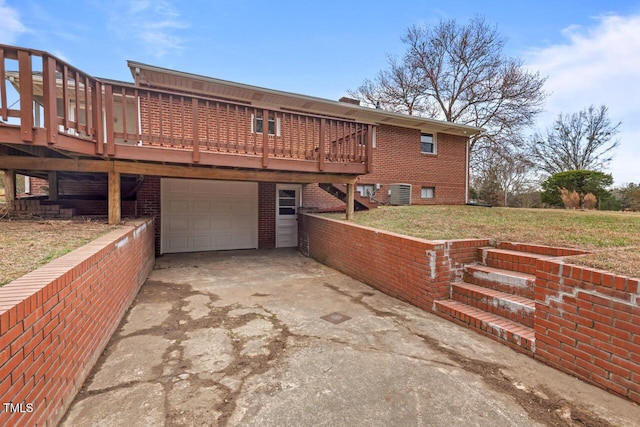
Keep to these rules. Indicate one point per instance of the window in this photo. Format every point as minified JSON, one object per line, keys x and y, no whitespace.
{"x":365,"y":190}
{"x":273,"y":124}
{"x":428,"y":143}
{"x":428,"y":192}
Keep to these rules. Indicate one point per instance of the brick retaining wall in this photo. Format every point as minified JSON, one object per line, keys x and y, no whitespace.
{"x":588,"y":324}
{"x":56,"y":321}
{"x":587,"y":321}
{"x":414,"y":270}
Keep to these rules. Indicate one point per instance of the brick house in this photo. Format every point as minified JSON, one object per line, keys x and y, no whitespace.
{"x":217,"y":164}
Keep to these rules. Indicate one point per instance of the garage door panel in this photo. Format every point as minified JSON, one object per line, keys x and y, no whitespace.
{"x":176,"y":186}
{"x":241,"y":223}
{"x":200,"y":187}
{"x":178,"y":225}
{"x":222,"y":207}
{"x":202,"y":243}
{"x":222,"y":223}
{"x":223,"y":240}
{"x":201,"y":224}
{"x":179,"y":244}
{"x":200,"y":215}
{"x":178,"y":206}
{"x":241,"y":205}
{"x":201,"y":207}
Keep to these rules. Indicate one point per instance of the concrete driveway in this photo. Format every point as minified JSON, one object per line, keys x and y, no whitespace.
{"x":271,"y":338}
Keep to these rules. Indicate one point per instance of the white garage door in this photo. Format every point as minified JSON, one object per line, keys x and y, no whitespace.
{"x":200,"y":215}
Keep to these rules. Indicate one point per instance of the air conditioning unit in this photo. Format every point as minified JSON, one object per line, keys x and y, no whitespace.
{"x":399,"y":194}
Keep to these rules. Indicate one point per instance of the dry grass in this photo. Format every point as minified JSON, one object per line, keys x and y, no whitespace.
{"x":26,"y":245}
{"x":614,"y":237}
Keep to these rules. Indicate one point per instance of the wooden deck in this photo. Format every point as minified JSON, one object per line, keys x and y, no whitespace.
{"x":61,"y":109}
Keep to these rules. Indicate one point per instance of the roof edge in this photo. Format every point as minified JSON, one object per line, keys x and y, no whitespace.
{"x":466,"y":130}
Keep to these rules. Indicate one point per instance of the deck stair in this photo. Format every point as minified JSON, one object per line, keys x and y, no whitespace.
{"x":495,"y":297}
{"x":340,"y":192}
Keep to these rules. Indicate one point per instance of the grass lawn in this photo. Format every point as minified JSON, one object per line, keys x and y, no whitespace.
{"x":26,"y":245}
{"x":613,"y":237}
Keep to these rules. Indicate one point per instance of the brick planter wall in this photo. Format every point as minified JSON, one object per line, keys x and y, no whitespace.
{"x":414,"y":270}
{"x":56,"y":321}
{"x":588,"y":324}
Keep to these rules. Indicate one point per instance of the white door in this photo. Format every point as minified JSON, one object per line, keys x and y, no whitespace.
{"x":287,"y":203}
{"x":202,"y":215}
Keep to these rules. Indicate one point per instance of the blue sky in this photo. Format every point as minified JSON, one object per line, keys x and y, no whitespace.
{"x":590,"y":50}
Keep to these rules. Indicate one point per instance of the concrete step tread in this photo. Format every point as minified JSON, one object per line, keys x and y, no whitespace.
{"x":515,"y":253}
{"x":500,"y":271}
{"x":500,"y":323}
{"x":492,"y":293}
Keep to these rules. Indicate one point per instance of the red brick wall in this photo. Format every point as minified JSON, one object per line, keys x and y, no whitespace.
{"x":39,"y":186}
{"x":414,"y":270}
{"x":148,"y":205}
{"x":397,"y":159}
{"x":588,"y":324}
{"x":266,"y":215}
{"x":56,"y":321}
{"x":315,"y":197}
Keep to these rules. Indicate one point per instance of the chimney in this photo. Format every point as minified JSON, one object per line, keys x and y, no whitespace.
{"x":348,"y":100}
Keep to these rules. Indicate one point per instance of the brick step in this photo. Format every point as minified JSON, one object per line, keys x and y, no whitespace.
{"x":512,"y":282}
{"x":523,"y":262}
{"x":516,"y":308}
{"x":508,"y":332}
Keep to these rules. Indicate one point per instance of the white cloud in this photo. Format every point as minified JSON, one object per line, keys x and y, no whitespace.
{"x":11,"y":26}
{"x":156,"y":27}
{"x":598,"y":65}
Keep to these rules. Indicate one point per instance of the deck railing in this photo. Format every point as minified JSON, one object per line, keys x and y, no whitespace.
{"x":62,"y":100}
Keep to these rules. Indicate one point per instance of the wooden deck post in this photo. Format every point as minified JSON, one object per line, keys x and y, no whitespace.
{"x":49,"y":98}
{"x":196,"y":130}
{"x":350,"y":201}
{"x":9,"y":187}
{"x":109,"y":122}
{"x":114,"y":197}
{"x":265,"y":139}
{"x":321,"y":154}
{"x":53,"y":185}
{"x":25,"y":74}
{"x":369,"y":148}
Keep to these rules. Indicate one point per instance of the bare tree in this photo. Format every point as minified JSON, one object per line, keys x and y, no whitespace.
{"x":576,"y":141}
{"x":506,"y":170}
{"x":460,"y":74}
{"x":398,"y":89}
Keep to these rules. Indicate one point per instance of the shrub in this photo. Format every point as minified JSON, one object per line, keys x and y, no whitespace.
{"x":580,"y":181}
{"x":570,"y":199}
{"x":589,"y":201}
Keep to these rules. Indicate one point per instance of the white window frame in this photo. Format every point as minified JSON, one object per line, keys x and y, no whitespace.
{"x":434,"y":141}
{"x":277,"y":125}
{"x":363,"y":188}
{"x":424,"y":192}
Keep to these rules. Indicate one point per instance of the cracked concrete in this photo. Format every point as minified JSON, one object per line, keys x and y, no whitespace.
{"x":237,"y":339}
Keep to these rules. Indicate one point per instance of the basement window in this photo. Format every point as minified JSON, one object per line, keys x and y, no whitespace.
{"x":427,"y":192}
{"x":365,"y":190}
{"x":428,"y":143}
